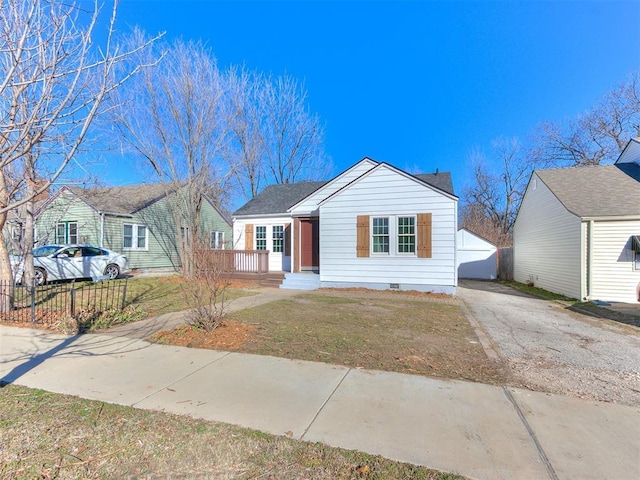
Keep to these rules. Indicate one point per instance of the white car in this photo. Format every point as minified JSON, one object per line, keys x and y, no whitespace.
{"x":62,"y":262}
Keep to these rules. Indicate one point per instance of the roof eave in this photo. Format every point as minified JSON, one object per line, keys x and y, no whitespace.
{"x":612,"y":218}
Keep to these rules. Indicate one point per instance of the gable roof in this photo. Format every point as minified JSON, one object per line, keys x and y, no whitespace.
{"x":381,"y":165}
{"x":331,"y":186}
{"x":477,"y":235}
{"x":596,"y":191}
{"x":278,"y":198}
{"x":631,"y":152}
{"x":121,"y":200}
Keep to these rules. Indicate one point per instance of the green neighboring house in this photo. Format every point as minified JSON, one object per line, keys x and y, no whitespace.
{"x":134,"y":220}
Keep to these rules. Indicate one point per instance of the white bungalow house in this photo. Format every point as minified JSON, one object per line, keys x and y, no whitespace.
{"x":577,"y":232}
{"x":372,"y":226}
{"x":477,"y":256}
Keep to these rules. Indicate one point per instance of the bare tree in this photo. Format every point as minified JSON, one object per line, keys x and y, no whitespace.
{"x":274,"y":137}
{"x":245,"y":151}
{"x":498,"y":186}
{"x":596,"y":137}
{"x":54,"y":80}
{"x":475,"y":219}
{"x":293,"y":137}
{"x":172,"y":119}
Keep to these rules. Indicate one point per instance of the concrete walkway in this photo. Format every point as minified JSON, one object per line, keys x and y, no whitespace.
{"x":479,"y":431}
{"x":144,"y":328}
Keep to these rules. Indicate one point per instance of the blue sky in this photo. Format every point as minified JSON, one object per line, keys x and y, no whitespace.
{"x":418,"y":84}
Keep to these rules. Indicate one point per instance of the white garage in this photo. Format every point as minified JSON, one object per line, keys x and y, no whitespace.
{"x":476,"y":256}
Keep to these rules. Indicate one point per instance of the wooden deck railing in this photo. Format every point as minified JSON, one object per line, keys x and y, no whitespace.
{"x":243,"y":261}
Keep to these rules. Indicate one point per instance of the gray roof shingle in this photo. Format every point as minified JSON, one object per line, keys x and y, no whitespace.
{"x":596,"y":191}
{"x":123,"y":200}
{"x":440,"y":180}
{"x":278,"y":198}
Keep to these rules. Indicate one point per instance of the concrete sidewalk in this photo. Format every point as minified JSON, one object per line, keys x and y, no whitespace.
{"x":476,"y":430}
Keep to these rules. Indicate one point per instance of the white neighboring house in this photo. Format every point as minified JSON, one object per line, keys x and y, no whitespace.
{"x":477,"y":257}
{"x":372,"y":226}
{"x":578,"y":230}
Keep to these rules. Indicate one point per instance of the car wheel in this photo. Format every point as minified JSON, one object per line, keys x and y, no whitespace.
{"x":112,"y":271}
{"x":39,"y":276}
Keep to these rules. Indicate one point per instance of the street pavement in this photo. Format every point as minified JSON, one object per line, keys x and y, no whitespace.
{"x":476,"y":430}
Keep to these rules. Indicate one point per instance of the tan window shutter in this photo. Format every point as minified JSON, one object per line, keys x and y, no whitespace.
{"x":248,"y":236}
{"x":362,"y":248}
{"x":424,"y":235}
{"x":287,"y":239}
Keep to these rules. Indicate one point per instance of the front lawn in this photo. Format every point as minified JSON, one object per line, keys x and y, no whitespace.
{"x":158,"y":295}
{"x":418,"y":334}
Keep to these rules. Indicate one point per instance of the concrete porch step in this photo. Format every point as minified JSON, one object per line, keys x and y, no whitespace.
{"x":301,"y":281}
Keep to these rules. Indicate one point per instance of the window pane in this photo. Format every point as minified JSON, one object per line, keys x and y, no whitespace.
{"x":61,"y":230}
{"x":142,"y":236}
{"x":261,"y":238}
{"x":73,"y":232}
{"x":127,"y":236}
{"x":217,"y":240}
{"x":278,"y":237}
{"x":380,"y":229}
{"x":406,"y":234}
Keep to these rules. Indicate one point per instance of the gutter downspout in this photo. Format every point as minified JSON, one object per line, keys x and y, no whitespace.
{"x":101,"y":230}
{"x":589,"y":259}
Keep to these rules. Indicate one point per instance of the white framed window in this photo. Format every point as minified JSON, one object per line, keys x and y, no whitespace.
{"x":261,"y":237}
{"x":217,"y":240}
{"x":407,"y":234}
{"x":380,"y":235}
{"x":134,"y":236}
{"x":278,"y":239}
{"x":66,"y":233}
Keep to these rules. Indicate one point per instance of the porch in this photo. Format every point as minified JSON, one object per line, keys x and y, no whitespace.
{"x":254,"y":265}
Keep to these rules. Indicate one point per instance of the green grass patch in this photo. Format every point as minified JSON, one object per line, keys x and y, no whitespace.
{"x":158,"y":295}
{"x":536,"y":291}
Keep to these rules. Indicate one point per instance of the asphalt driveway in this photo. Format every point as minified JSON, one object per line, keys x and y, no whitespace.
{"x":551,"y":349}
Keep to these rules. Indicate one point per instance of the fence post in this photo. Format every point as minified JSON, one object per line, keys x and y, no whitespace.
{"x":124,"y":295}
{"x":73,"y":301}
{"x":33,"y":302}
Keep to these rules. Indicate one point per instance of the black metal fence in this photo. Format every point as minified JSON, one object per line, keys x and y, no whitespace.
{"x":53,"y":302}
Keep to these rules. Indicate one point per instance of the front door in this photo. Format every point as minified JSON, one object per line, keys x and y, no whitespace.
{"x":309,"y":244}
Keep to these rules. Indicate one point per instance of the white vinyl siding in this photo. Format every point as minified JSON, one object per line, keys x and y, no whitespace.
{"x":547,"y":243}
{"x":385,"y":193}
{"x":310,"y":204}
{"x":614,"y":276}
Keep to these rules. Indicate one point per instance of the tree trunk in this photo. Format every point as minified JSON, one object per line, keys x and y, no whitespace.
{"x":7,"y":289}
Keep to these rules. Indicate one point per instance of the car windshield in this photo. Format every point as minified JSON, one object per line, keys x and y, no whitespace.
{"x":45,"y":250}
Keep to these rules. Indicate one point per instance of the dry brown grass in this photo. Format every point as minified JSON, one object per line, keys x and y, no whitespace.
{"x":51,"y":436}
{"x":417,"y":334}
